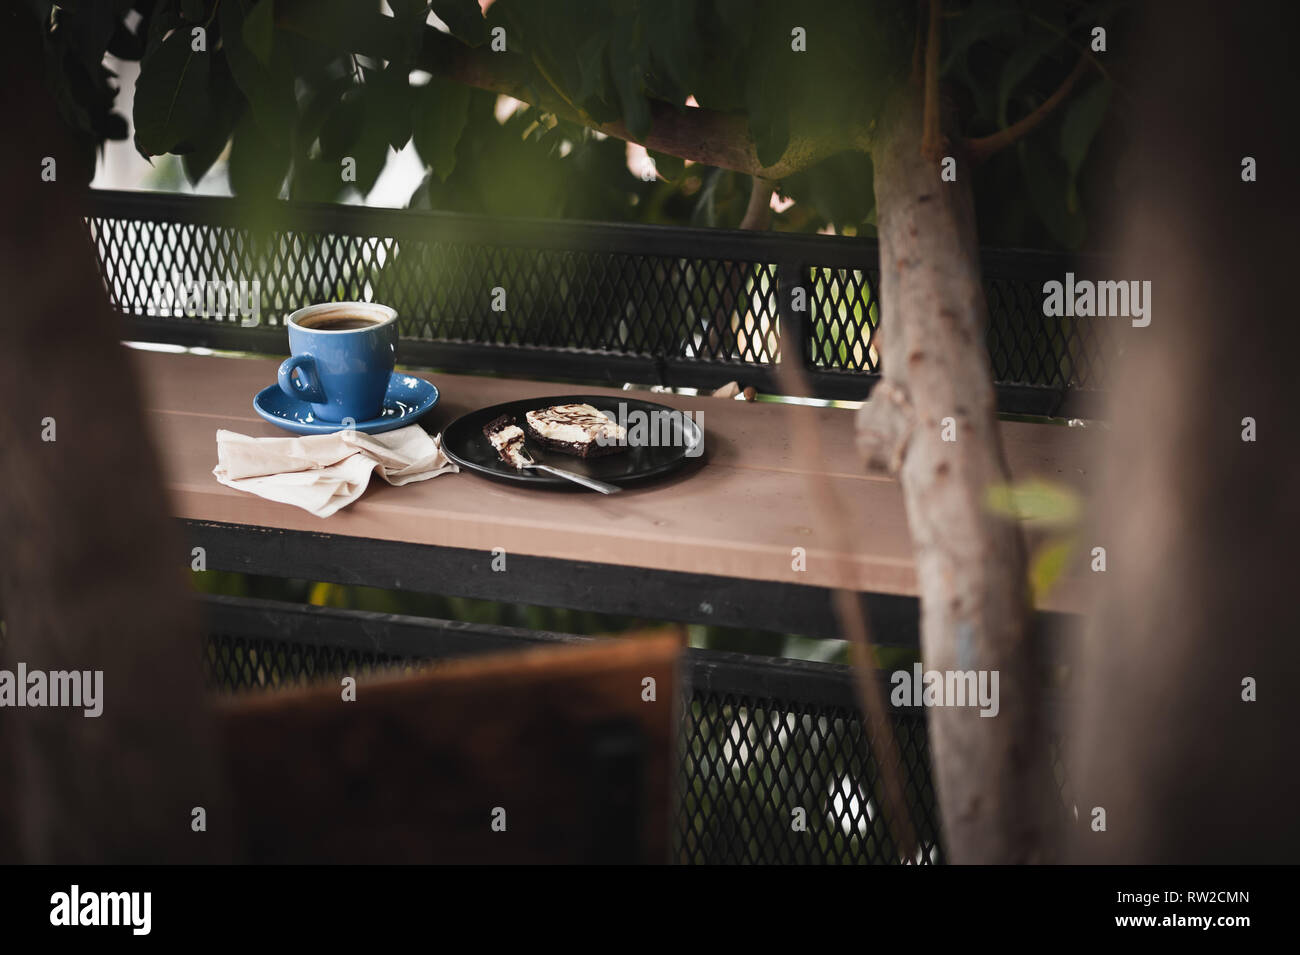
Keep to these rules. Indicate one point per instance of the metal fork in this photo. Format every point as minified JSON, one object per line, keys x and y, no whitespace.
{"x":527,"y":461}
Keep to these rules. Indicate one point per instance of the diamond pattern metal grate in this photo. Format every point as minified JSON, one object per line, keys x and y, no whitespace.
{"x":640,"y":305}
{"x":565,"y":290}
{"x":1025,"y":347}
{"x":744,"y":764}
{"x":748,"y":767}
{"x":845,"y":309}
{"x":236,"y":663}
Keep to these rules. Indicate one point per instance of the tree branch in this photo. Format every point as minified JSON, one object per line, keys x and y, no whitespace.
{"x":992,"y":776}
{"x":980,"y":149}
{"x":918,"y":52}
{"x":758,"y":215}
{"x":884,"y":426}
{"x":933,"y":142}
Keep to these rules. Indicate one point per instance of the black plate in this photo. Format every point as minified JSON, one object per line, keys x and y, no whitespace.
{"x":464,"y":442}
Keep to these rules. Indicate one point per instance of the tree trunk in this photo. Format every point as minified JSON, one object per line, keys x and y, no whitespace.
{"x":992,"y":774}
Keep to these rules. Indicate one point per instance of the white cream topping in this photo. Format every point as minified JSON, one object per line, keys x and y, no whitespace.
{"x":509,"y":442}
{"x":576,"y":423}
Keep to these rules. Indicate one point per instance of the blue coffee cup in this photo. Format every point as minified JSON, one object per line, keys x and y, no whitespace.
{"x":343,"y":354}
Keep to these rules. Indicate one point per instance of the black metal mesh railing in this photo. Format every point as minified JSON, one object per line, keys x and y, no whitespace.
{"x":238,"y":662}
{"x":788,"y":781}
{"x":786,"y":777}
{"x":652,"y":305}
{"x":789,"y":777}
{"x":845,"y":315}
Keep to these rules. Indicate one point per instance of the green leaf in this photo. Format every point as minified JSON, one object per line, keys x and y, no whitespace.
{"x":1047,"y":566}
{"x":388,"y":96}
{"x":126,"y":45}
{"x":318,"y":105}
{"x":839,"y":187}
{"x":171,"y":97}
{"x":1036,"y":501}
{"x":722,"y":200}
{"x":316,"y":180}
{"x":113,"y":126}
{"x":259,"y":28}
{"x":269,"y":92}
{"x":86,"y":30}
{"x":441,"y":112}
{"x":669,"y":167}
{"x":161,"y":20}
{"x":591,"y":70}
{"x":257,"y":165}
{"x":721,"y":73}
{"x":1083,"y":117}
{"x":410,"y":16}
{"x":737,"y":18}
{"x":409,"y":9}
{"x":371,"y":154}
{"x":769,"y":120}
{"x":982,"y":20}
{"x":197,"y":163}
{"x":342,"y":127}
{"x":671,"y":40}
{"x":464,"y":19}
{"x":1018,"y":66}
{"x":629,"y":80}
{"x":211,"y":142}
{"x":1046,"y":181}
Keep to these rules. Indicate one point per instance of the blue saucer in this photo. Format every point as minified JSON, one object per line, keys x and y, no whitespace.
{"x":407,"y":400}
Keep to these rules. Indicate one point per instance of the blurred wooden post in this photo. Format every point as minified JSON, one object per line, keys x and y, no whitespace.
{"x":562,"y":740}
{"x":93,"y":570}
{"x":1200,"y":525}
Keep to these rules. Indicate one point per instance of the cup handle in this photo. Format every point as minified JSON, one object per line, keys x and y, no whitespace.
{"x":306,"y":387}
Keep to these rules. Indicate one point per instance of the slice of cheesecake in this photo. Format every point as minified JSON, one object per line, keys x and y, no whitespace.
{"x":578,"y":429}
{"x":508,"y":440}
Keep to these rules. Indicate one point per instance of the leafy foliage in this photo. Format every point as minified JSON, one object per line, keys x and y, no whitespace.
{"x":1040,"y":502}
{"x":295,"y":87}
{"x":75,"y":41}
{"x":516,"y":168}
{"x":1052,"y":513}
{"x":1003,"y":58}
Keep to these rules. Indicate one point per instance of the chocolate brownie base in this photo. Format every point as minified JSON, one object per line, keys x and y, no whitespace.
{"x":496,"y":424}
{"x":508,"y":440}
{"x":580,"y":449}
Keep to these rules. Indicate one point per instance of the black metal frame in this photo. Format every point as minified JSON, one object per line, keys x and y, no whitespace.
{"x":791,"y":260}
{"x":407,"y":638}
{"x":543,"y":581}
{"x":572,"y":584}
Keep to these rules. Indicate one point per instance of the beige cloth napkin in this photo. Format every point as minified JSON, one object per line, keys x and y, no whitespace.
{"x":324,"y":472}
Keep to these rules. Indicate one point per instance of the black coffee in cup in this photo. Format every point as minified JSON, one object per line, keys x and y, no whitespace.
{"x":338,"y":323}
